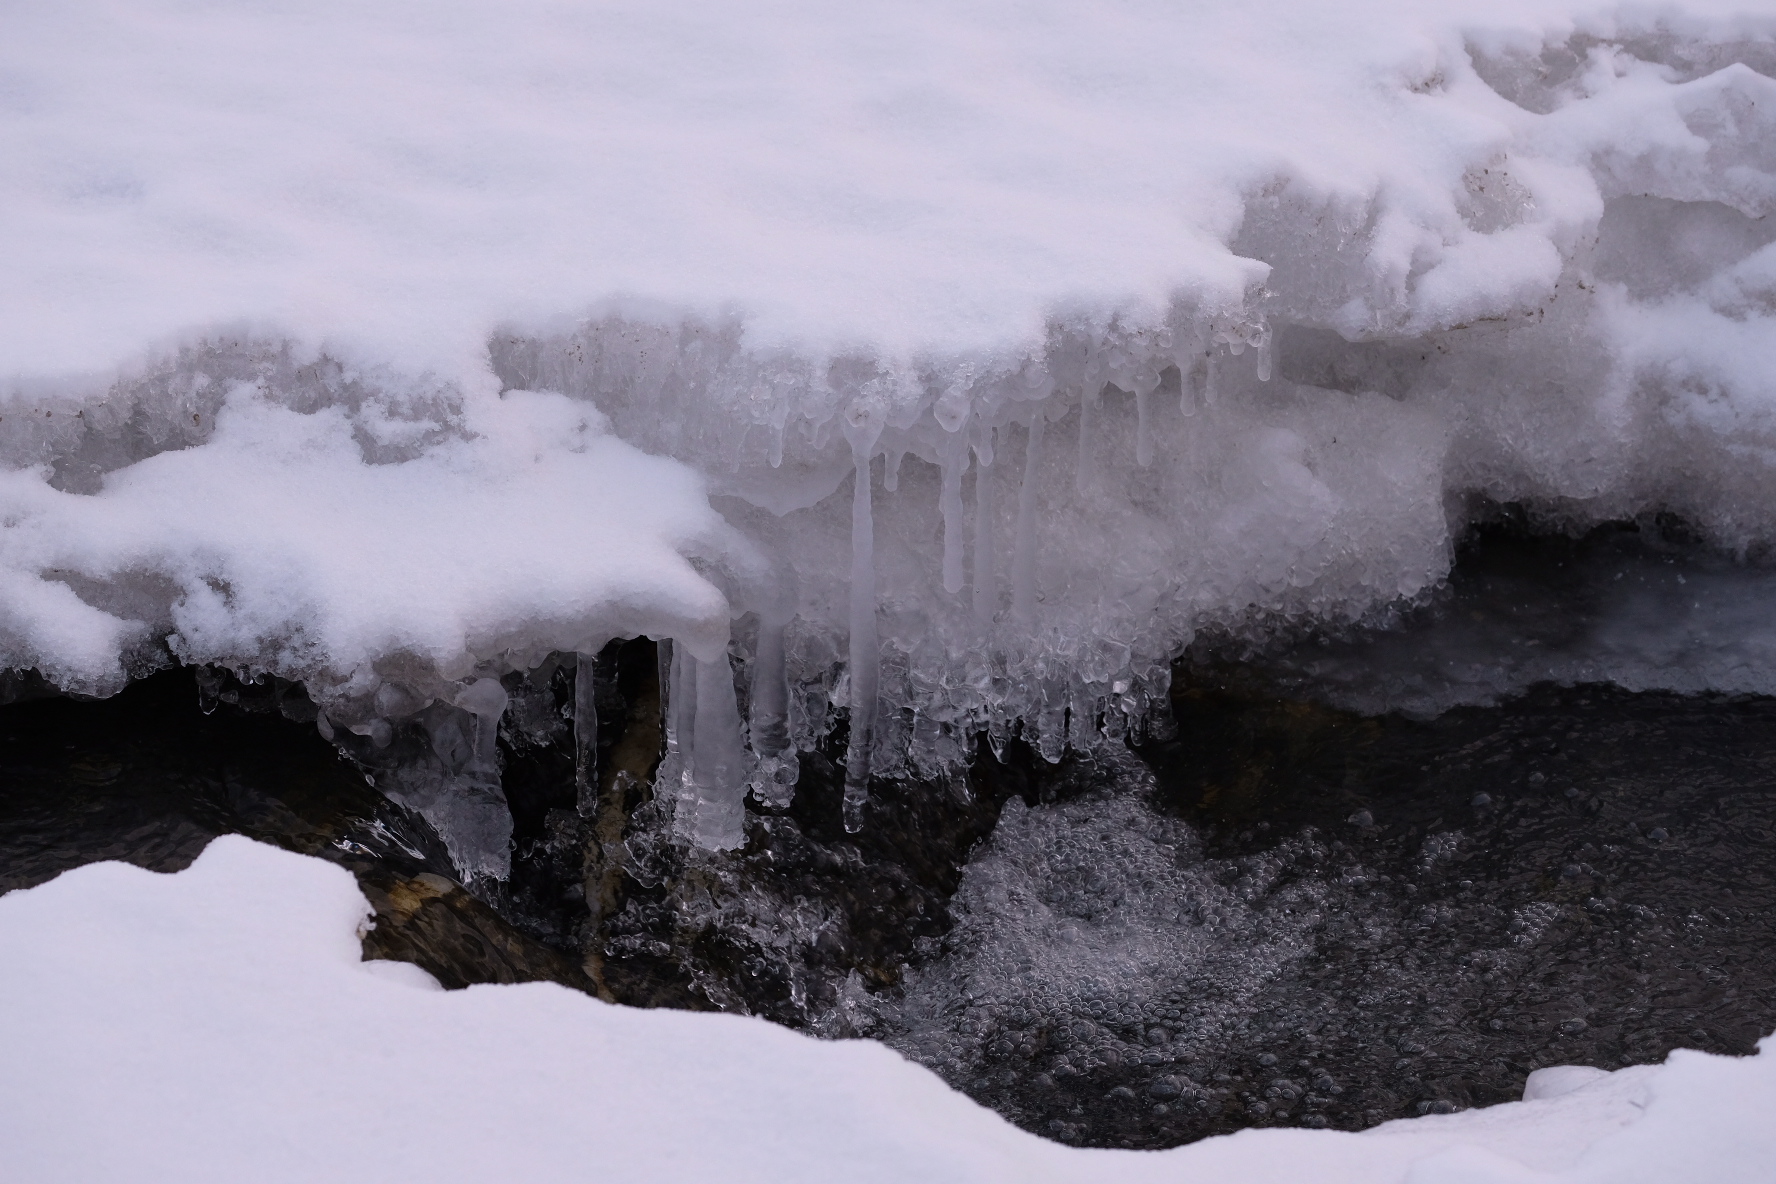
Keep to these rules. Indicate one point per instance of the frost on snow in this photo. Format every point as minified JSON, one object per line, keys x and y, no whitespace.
{"x":950,"y":366}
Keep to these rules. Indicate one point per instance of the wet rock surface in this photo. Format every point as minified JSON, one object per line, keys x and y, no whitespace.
{"x":149,"y":778}
{"x":806,"y":916}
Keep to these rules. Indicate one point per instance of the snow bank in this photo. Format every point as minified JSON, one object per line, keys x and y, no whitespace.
{"x":217,"y":1024}
{"x":396,"y":565}
{"x":1019,"y":342}
{"x":279,"y":545}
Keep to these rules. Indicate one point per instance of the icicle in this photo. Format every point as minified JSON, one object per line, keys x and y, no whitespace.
{"x":718,"y":762}
{"x":684,"y":714}
{"x":960,"y":788}
{"x":669,"y":778}
{"x":1082,"y":475}
{"x":865,"y":655}
{"x":774,"y":778}
{"x":1051,"y":727}
{"x":983,"y":447}
{"x":891,"y":468}
{"x":1082,"y":719}
{"x":1211,"y":367}
{"x":463,"y":799}
{"x":953,"y":458}
{"x":1266,"y":355}
{"x":776,"y":456}
{"x":998,"y":735}
{"x":1143,"y":429}
{"x":585,"y":736}
{"x":209,"y":689}
{"x":986,"y":586}
{"x":1023,"y":555}
{"x":485,"y":700}
{"x":770,"y":690}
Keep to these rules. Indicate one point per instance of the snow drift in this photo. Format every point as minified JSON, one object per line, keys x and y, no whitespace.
{"x":217,"y":1024}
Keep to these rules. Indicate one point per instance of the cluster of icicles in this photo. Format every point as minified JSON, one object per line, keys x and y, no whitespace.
{"x":998,"y":661}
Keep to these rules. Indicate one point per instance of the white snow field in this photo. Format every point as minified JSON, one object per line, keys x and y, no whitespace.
{"x":216,"y":1024}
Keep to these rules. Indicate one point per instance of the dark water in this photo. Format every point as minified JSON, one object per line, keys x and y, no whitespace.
{"x":1283,"y":914}
{"x":1342,"y":920}
{"x":148,"y":778}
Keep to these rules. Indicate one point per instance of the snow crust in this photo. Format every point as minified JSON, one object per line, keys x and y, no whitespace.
{"x":217,"y":1024}
{"x":1013,"y":345}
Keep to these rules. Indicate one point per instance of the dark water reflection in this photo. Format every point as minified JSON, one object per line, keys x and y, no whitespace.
{"x":1578,"y":876}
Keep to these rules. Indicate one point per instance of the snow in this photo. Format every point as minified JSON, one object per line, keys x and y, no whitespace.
{"x":780,"y":244}
{"x":908,"y":176}
{"x":285,"y":548}
{"x":750,"y":231}
{"x":1279,"y":288}
{"x":380,"y":560}
{"x":217,"y":1024}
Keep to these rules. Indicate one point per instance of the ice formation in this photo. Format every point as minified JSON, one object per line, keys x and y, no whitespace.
{"x":982,"y":355}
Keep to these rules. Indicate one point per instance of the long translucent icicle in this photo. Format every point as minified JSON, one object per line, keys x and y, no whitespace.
{"x":865,"y":654}
{"x":669,"y":778}
{"x":585,"y":731}
{"x":986,"y":584}
{"x":775,"y":774}
{"x":770,"y":690}
{"x":1143,"y":428}
{"x":1082,"y":474}
{"x":1023,"y":558}
{"x":677,"y":694}
{"x":953,"y":460}
{"x":1051,"y":738}
{"x":718,"y":761}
